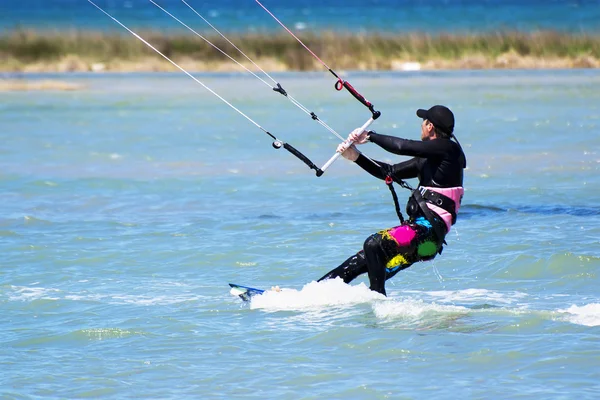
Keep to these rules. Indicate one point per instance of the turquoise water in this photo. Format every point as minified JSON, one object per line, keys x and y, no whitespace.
{"x":128,"y":205}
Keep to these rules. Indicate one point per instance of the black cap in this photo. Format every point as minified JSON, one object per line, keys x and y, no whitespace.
{"x":440,"y":116}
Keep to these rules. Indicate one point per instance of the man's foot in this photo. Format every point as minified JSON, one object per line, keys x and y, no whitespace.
{"x":275,"y":289}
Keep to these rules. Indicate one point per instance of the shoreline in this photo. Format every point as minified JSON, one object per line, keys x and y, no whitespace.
{"x":24,"y":51}
{"x":509,"y":60}
{"x":22,"y":81}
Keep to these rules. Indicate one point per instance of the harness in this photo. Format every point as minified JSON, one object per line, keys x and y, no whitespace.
{"x":417,"y":204}
{"x":439,"y":200}
{"x":423,"y":196}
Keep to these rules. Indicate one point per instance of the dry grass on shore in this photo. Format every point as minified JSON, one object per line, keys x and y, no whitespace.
{"x":30,"y":51}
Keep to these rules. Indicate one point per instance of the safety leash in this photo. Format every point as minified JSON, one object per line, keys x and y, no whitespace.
{"x":390,"y":184}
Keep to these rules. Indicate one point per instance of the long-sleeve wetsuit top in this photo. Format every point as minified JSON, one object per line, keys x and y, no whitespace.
{"x":437,"y":163}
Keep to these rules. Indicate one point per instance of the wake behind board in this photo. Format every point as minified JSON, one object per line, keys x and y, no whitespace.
{"x":244,"y":292}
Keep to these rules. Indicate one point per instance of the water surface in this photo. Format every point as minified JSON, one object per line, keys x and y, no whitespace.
{"x":129,"y":205}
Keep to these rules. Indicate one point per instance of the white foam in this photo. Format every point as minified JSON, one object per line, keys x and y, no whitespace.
{"x":417,"y":307}
{"x":333,"y":292}
{"x":24,"y":293}
{"x":414,"y":309}
{"x":477,"y":296}
{"x":588,"y":315}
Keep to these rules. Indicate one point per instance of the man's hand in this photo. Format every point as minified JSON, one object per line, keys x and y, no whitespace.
{"x":359,"y":137}
{"x":348,"y":148}
{"x":349,"y":151}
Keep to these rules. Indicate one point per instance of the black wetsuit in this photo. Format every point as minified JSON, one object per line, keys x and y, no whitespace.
{"x":438,"y":163}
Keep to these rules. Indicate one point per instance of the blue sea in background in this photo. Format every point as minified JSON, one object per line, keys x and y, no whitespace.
{"x":311,"y":15}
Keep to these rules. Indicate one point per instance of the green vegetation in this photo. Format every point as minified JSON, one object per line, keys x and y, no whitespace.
{"x":81,"y":50}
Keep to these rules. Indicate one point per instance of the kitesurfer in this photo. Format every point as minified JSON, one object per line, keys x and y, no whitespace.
{"x":438,"y":163}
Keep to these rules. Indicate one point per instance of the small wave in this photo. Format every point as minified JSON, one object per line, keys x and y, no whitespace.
{"x":587,"y":315}
{"x":105,"y":333}
{"x":80,"y":335}
{"x":577,"y":211}
{"x":418,"y":310}
{"x":477,"y":295}
{"x":335,"y":292}
{"x":153,"y":300}
{"x":270,"y":216}
{"x":482,"y":208}
{"x":418,"y":313}
{"x":29,"y":220}
{"x":471,"y":210}
{"x":110,"y":156}
{"x":25,"y":293}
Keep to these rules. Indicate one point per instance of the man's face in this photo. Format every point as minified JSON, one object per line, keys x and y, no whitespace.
{"x":426,"y":130}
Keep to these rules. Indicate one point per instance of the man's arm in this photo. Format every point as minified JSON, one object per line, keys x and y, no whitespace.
{"x":414,"y":148}
{"x":378,"y":169}
{"x":404,"y":170}
{"x":371,"y":168}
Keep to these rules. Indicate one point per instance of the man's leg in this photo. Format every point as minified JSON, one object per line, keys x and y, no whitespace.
{"x":349,"y":269}
{"x":388,"y":252}
{"x":376,"y":261}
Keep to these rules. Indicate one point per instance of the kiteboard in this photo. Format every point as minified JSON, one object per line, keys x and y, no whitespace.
{"x":244,"y":292}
